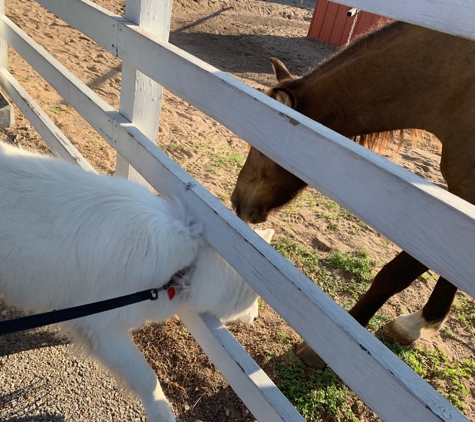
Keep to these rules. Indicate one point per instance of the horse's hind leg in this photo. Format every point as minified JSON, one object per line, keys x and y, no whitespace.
{"x":408,"y":328}
{"x":393,"y":278}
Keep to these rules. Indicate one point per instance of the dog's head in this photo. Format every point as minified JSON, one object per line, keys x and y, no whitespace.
{"x":214,"y":287}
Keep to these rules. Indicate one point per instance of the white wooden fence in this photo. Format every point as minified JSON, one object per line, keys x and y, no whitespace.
{"x":351,"y":175}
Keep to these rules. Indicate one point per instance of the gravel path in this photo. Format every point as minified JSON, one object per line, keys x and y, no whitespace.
{"x":41,"y":380}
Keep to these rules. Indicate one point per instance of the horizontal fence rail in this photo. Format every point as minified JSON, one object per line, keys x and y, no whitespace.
{"x":59,"y":144}
{"x":455,"y":17}
{"x":386,"y":384}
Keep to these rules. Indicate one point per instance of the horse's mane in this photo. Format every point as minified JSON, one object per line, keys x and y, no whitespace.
{"x":383,"y":142}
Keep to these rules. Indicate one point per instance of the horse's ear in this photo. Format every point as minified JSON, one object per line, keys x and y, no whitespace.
{"x":280,"y":71}
{"x":284,"y":96}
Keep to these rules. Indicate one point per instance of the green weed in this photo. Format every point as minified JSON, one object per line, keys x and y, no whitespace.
{"x":434,"y":366}
{"x":446,"y":331}
{"x":306,"y":260}
{"x":291,"y":209}
{"x":428,"y":276}
{"x":59,"y":109}
{"x":283,"y":338}
{"x":316,"y":394}
{"x":226,"y":159}
{"x":464,"y":310}
{"x":378,"y":320}
{"x":357,"y":265}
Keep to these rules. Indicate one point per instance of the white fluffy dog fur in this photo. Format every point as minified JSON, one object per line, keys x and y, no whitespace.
{"x":69,"y":237}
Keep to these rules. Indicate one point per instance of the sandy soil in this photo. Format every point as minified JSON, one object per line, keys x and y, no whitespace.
{"x":238,"y":37}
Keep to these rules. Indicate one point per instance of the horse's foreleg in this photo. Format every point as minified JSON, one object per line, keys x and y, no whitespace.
{"x":393,"y":278}
{"x":408,"y":328}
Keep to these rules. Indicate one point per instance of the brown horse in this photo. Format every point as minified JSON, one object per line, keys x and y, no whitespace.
{"x":400,"y":76}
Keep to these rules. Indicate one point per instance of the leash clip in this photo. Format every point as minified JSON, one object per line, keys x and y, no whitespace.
{"x":153,"y":294}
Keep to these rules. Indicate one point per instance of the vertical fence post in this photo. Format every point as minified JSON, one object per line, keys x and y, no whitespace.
{"x":3,"y":44}
{"x":141,"y":97}
{"x":7,"y":113}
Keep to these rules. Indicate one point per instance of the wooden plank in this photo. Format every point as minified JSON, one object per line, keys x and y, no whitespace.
{"x":455,"y":17}
{"x":59,"y":144}
{"x":247,"y":379}
{"x":3,"y":44}
{"x":140,"y":96}
{"x":386,"y":384}
{"x":363,"y":182}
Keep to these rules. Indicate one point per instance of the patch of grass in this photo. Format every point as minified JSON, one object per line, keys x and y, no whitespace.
{"x":446,"y":331}
{"x":311,"y":198}
{"x":429,"y":276}
{"x":291,"y":209}
{"x":357,"y":265}
{"x":283,"y":338}
{"x":435,"y":367}
{"x":350,"y":217}
{"x":59,"y":109}
{"x":378,"y":320}
{"x":306,"y":260}
{"x":317,"y":394}
{"x":323,"y":214}
{"x":334,"y":214}
{"x":330,"y":205}
{"x":332,"y":219}
{"x":226,"y":159}
{"x":464,"y":310}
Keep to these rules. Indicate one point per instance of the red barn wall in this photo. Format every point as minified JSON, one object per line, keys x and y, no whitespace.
{"x":330,"y":23}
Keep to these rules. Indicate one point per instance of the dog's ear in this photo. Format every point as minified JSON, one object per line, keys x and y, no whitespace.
{"x":266,"y":234}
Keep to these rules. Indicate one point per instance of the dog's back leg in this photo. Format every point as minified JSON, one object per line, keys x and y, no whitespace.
{"x":117,"y":352}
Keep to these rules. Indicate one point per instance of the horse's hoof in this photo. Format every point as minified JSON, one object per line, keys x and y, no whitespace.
{"x":309,"y":357}
{"x":400,"y":332}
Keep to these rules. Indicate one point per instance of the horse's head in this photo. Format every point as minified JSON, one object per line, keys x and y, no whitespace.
{"x":263,"y":185}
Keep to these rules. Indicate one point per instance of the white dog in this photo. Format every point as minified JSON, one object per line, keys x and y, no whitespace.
{"x":69,"y":237}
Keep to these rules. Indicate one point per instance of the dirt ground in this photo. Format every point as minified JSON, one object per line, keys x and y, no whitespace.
{"x":238,"y":37}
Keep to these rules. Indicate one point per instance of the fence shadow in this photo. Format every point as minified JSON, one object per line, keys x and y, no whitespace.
{"x":251,"y":53}
{"x":304,"y":4}
{"x":37,"y":418}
